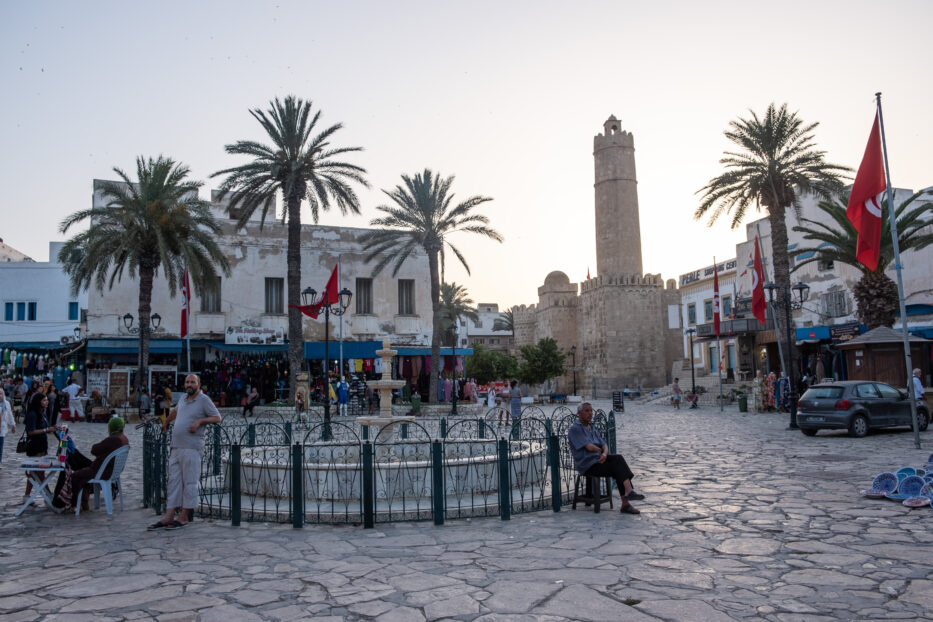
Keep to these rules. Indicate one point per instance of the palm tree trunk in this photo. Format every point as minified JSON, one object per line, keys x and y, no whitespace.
{"x":146,"y":276}
{"x":435,"y":321}
{"x":776,"y":218}
{"x":293,"y":259}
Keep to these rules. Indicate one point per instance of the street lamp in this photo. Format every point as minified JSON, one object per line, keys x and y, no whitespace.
{"x":778,"y":295}
{"x":573,"y":356}
{"x":693,"y":379}
{"x":142,"y":366}
{"x":77,"y":332}
{"x":336,"y":307}
{"x":453,"y":350}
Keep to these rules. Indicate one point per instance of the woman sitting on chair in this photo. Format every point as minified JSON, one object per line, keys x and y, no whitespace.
{"x":114,"y":441}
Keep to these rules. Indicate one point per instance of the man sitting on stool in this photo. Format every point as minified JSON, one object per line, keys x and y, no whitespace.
{"x":591,"y":458}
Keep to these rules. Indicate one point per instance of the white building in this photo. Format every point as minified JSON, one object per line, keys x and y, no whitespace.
{"x":481,"y":332}
{"x":696,"y":294}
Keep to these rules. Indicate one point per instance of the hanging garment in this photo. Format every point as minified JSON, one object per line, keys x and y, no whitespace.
{"x":377,"y":366}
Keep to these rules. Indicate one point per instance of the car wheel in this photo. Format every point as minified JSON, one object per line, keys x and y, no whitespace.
{"x":809,"y":432}
{"x":923,"y":419}
{"x":859,"y":426}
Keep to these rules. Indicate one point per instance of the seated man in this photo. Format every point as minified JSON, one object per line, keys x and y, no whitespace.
{"x":114,"y":441}
{"x":591,"y":457}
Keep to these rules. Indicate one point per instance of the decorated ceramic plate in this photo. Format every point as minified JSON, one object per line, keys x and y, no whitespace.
{"x":886,"y":482}
{"x":873,"y":493}
{"x":920,"y":472}
{"x":911,"y":486}
{"x":905,"y":471}
{"x":916,"y":502}
{"x":927,"y":490}
{"x":898,"y":496}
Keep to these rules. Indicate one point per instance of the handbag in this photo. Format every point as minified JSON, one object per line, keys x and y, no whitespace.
{"x":22,"y":443}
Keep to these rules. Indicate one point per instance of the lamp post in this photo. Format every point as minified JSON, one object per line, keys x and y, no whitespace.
{"x":337,"y":307}
{"x":142,"y":366}
{"x":693,"y":379}
{"x":782,"y":296}
{"x":573,"y":357}
{"x":453,"y":350}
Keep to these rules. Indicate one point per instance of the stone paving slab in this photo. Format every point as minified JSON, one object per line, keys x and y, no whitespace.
{"x":744,"y":520}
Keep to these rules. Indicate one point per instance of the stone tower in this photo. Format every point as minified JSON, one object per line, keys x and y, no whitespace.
{"x":618,"y":233}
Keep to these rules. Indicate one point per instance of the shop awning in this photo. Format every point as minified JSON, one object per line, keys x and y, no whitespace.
{"x":33,"y":345}
{"x":419,"y":351}
{"x":314,"y":350}
{"x":240,"y":347}
{"x":131,"y":346}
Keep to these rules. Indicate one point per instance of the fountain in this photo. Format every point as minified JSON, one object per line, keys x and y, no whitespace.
{"x":384,"y":385}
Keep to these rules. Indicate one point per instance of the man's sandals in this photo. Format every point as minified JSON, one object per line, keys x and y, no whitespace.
{"x":629,"y":509}
{"x":168,"y":526}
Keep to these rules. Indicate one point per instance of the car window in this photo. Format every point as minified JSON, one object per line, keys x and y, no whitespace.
{"x":824,"y":393}
{"x":866,"y":390}
{"x":888,"y":392}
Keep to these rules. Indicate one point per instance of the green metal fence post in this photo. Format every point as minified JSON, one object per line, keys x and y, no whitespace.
{"x":516,"y":429}
{"x":611,"y":431}
{"x":443,"y":427}
{"x":437,"y":482}
{"x":368,"y":491}
{"x":215,"y":453}
{"x":159,"y":475}
{"x":404,"y":430}
{"x":505,"y":481}
{"x":288,"y":432}
{"x":235,"y":485}
{"x":251,"y":435}
{"x":480,"y":428}
{"x":298,"y":497}
{"x":553,"y":445}
{"x":364,"y":432}
{"x":147,"y":466}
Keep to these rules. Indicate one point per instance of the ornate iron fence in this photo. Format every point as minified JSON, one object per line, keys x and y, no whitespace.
{"x":277,"y":469}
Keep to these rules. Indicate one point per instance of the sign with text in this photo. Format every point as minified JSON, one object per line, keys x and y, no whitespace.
{"x":254,"y":336}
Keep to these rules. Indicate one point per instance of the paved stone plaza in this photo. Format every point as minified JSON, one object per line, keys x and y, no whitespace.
{"x":743,"y":520}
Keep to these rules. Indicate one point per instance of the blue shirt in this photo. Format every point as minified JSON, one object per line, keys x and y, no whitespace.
{"x":579,"y":436}
{"x":343,"y":392}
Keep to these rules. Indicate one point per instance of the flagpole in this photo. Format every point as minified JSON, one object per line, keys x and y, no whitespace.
{"x":339,"y":289}
{"x":716,"y":309}
{"x":771,"y":306}
{"x":900,"y":278}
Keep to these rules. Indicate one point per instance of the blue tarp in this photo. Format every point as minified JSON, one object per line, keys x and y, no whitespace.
{"x":813,"y":332}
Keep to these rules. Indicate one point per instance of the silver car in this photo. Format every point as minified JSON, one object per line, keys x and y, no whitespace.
{"x":857,"y":406}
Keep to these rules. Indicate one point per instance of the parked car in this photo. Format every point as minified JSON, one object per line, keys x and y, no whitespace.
{"x":857,"y":406}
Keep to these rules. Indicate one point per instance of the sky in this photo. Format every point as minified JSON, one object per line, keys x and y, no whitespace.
{"x":506,"y":96}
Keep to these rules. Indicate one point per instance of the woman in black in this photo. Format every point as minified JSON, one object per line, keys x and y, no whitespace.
{"x":37,"y":431}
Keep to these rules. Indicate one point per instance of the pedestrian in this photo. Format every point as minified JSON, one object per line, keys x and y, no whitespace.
{"x":80,"y":477}
{"x":918,"y":386}
{"x":448,"y":388}
{"x":676,"y":393}
{"x":7,"y":423}
{"x":144,"y":402}
{"x":591,"y":458}
{"x":343,"y":396}
{"x":191,"y":415}
{"x":515,"y":400}
{"x":251,"y":401}
{"x":301,"y":415}
{"x":37,"y":431}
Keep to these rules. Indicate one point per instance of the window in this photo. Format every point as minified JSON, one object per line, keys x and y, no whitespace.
{"x":865,"y":390}
{"x":691,"y":313}
{"x":274,"y":290}
{"x":834,"y":304}
{"x":31,"y":316}
{"x":210,"y":298}
{"x":8,"y":312}
{"x":20,"y":311}
{"x":72,"y":311}
{"x":824,"y":265}
{"x":406,"y":297}
{"x":727,"y":305}
{"x":888,"y":392}
{"x":708,"y":310}
{"x":364,"y":296}
{"x":25,"y":311}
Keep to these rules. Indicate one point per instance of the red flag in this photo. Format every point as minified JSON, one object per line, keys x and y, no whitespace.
{"x":864,"y":208}
{"x":716,"y":320}
{"x":330,"y":295}
{"x":587,"y":273}
{"x":758,"y":287}
{"x":185,"y":303}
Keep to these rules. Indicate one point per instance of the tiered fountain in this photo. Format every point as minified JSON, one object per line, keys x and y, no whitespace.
{"x":385,"y":385}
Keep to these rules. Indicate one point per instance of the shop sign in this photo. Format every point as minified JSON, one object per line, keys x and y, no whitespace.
{"x":844,"y":332}
{"x":254,"y":335}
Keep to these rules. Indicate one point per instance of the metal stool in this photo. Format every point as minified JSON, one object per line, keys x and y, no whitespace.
{"x":593,"y":483}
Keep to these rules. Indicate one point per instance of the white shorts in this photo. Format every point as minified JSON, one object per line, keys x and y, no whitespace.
{"x":184,"y":472}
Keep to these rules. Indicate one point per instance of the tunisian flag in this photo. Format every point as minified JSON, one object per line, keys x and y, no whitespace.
{"x":758,"y":287}
{"x":864,"y":209}
{"x":185,"y":304}
{"x":715,"y":299}
{"x":330,"y":290}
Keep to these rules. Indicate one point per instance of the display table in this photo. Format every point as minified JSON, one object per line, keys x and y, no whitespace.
{"x":34,"y":467}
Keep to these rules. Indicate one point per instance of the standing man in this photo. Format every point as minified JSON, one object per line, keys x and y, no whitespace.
{"x":194,"y":411}
{"x":918,"y":386}
{"x":591,"y":457}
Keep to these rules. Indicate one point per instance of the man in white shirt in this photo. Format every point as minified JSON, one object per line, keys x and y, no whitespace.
{"x":918,"y":386}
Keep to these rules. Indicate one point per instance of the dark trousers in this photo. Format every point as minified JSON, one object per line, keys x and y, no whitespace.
{"x":615,"y":467}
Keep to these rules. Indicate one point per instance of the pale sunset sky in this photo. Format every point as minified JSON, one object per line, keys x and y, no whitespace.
{"x":507,"y":96}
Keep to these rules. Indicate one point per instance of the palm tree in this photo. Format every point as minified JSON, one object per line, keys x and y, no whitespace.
{"x":157,"y":222}
{"x":835,"y":238}
{"x":505,"y":321}
{"x":423,"y":216}
{"x":302,"y":166}
{"x":455,"y":304}
{"x":777,"y":164}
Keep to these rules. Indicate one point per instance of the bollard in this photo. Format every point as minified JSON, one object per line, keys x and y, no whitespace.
{"x":298,"y":497}
{"x":505,"y":481}
{"x":215,"y":450}
{"x":553,"y":453}
{"x":437,"y":481}
{"x":368,"y":491}
{"x":235,"y":486}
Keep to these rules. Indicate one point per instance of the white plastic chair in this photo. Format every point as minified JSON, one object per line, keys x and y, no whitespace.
{"x":118,"y":458}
